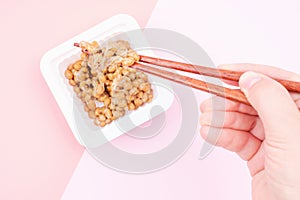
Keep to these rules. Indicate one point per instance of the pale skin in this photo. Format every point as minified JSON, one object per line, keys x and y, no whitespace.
{"x":266,"y":134}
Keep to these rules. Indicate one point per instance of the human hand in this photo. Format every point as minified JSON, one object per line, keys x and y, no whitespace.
{"x":266,"y":135}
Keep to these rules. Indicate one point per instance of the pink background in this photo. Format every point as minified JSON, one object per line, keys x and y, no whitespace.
{"x":37,"y":149}
{"x":40,"y":158}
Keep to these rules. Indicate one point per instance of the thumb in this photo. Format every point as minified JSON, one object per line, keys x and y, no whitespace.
{"x":273,"y":103}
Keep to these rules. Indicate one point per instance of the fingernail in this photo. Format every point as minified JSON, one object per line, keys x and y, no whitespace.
{"x":248,"y":80}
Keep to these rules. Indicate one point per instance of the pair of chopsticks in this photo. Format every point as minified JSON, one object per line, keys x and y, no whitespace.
{"x":232,"y":94}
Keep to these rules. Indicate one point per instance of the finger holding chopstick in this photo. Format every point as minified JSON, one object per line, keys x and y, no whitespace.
{"x":232,"y":72}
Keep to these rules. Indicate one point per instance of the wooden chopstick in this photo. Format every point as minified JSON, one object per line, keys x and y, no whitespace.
{"x":233,"y":94}
{"x":212,"y":72}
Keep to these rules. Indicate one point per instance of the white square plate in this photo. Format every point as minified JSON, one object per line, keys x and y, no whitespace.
{"x":55,"y":61}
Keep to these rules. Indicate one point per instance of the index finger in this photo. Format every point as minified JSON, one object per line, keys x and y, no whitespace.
{"x":270,"y":71}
